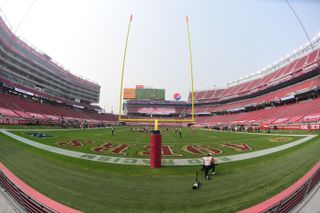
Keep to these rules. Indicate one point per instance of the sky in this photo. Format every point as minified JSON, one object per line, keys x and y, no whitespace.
{"x":230,"y":39}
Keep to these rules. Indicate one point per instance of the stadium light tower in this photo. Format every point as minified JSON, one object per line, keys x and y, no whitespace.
{"x":155,"y":137}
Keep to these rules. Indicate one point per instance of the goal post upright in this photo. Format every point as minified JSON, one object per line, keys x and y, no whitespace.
{"x":123,"y":66}
{"x":191,"y":70}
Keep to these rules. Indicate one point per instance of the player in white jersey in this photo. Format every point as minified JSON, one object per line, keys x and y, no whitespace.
{"x":208,"y":163}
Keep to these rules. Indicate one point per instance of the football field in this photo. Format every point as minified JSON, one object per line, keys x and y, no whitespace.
{"x":101,"y":187}
{"x":133,"y":142}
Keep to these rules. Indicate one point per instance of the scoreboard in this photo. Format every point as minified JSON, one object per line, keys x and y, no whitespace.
{"x":144,"y":94}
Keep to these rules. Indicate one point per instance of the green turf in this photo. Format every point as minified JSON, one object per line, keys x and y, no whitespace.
{"x":137,"y":141}
{"x":99,"y":187}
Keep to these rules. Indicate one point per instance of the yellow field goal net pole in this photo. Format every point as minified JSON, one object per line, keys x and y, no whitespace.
{"x":156,"y":121}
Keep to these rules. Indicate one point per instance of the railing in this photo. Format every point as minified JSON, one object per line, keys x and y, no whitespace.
{"x":290,"y":197}
{"x":30,"y":199}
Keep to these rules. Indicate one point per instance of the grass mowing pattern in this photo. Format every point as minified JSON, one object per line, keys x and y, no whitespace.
{"x":138,"y":141}
{"x":99,"y":187}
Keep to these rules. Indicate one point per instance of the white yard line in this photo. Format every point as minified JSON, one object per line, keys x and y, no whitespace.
{"x":166,"y":162}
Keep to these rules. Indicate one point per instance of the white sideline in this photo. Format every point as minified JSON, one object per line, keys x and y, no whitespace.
{"x":166,"y":162}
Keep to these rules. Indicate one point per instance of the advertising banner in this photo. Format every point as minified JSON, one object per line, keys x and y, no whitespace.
{"x":129,"y":93}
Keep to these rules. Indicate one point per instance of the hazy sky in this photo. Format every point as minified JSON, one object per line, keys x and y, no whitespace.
{"x":230,"y":39}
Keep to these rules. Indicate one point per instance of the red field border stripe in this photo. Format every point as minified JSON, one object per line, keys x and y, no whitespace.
{"x":29,"y":198}
{"x":290,"y":197}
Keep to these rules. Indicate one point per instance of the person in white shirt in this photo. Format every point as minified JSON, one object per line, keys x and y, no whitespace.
{"x":207,"y":164}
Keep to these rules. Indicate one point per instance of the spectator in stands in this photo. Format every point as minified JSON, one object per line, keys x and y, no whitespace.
{"x":208,"y":163}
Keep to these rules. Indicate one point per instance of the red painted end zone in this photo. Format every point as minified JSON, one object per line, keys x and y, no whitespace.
{"x":35,"y":195}
{"x":261,"y":207}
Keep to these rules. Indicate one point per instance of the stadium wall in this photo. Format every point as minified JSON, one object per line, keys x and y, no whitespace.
{"x":27,"y":197}
{"x":290,"y":197}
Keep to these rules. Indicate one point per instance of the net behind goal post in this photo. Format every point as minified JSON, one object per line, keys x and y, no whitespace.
{"x":157,"y":120}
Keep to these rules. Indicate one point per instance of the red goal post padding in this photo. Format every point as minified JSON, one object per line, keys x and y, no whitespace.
{"x":29,"y":198}
{"x":290,"y":197}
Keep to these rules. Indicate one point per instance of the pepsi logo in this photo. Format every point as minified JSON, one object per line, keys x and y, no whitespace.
{"x":177,"y":96}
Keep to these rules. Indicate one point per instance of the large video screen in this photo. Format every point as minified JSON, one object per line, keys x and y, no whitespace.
{"x":153,"y":94}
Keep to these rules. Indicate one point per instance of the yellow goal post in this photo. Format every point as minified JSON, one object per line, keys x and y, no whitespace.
{"x":156,"y":120}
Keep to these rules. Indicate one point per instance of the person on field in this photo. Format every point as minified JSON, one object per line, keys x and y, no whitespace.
{"x":112,"y":130}
{"x":180,"y":133}
{"x":208,"y":163}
